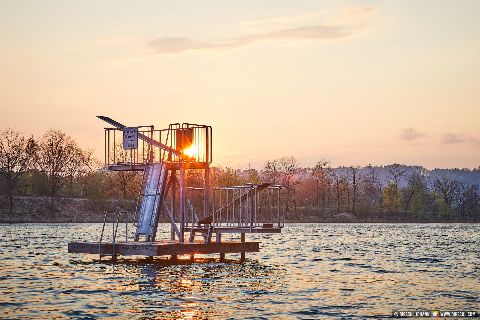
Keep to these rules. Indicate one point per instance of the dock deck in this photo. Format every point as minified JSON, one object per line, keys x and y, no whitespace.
{"x":163,"y":248}
{"x":237,"y":229}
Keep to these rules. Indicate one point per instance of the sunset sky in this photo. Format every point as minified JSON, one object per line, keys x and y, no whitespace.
{"x":354,"y":82}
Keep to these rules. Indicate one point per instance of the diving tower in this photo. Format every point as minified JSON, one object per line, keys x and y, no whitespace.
{"x":198,"y":215}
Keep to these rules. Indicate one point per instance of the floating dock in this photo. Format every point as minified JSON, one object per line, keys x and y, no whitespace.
{"x":161,"y":248}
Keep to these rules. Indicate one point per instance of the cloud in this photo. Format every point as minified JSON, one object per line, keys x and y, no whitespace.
{"x":411,"y":134}
{"x":450,"y":138}
{"x":305,"y":27}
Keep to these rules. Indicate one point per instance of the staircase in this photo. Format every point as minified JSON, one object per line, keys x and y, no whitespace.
{"x":243,"y":196}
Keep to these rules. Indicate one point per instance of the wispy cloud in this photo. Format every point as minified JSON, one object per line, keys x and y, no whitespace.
{"x":452,"y":138}
{"x":410,"y":134}
{"x":307,"y":27}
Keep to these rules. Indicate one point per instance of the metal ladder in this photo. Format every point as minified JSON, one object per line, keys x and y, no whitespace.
{"x":115,"y":223}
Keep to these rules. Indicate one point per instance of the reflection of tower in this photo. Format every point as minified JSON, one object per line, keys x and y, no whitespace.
{"x":149,"y":274}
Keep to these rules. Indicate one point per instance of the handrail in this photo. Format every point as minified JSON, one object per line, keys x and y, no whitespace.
{"x":115,"y":223}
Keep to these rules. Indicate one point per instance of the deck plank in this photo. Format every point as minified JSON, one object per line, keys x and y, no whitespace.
{"x":163,"y":248}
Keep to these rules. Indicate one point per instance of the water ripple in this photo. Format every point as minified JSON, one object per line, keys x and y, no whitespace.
{"x":349,"y":271}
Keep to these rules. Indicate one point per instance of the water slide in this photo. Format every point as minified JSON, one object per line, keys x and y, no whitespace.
{"x":153,"y":194}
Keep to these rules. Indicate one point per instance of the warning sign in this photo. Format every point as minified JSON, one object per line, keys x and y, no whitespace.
{"x":130,"y":138}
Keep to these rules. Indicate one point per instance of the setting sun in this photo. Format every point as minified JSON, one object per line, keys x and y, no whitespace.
{"x":191,"y":151}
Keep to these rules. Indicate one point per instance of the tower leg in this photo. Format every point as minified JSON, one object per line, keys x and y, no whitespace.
{"x":242,"y":254}
{"x":174,"y":188}
{"x":218,"y":239}
{"x":182,"y":204}
{"x":206,"y":208}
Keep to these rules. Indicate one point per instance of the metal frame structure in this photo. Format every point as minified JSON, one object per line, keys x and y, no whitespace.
{"x":164,"y":156}
{"x":233,"y":209}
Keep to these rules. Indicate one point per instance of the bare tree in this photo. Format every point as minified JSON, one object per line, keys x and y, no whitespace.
{"x":271,"y":171}
{"x":448,"y":189}
{"x":289,"y":166}
{"x":283,"y":171}
{"x":396,"y":173}
{"x":355,"y":180}
{"x":469,"y":200}
{"x":59,"y":158}
{"x":17,"y":155}
{"x":340,"y":184}
{"x":229,"y":177}
{"x":320,"y":175}
{"x":372,"y":188}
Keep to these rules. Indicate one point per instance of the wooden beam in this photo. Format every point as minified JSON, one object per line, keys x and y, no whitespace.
{"x":163,"y":248}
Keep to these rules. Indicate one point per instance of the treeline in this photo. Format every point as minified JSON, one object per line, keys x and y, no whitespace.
{"x":387,"y":193}
{"x":55,"y":166}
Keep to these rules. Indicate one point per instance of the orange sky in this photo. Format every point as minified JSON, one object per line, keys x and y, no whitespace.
{"x":355,"y":82}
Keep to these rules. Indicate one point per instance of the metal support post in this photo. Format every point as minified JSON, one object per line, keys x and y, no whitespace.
{"x":242,"y":254}
{"x":182,"y":203}
{"x":206,"y":191}
{"x":174,"y":188}
{"x":218,"y":239}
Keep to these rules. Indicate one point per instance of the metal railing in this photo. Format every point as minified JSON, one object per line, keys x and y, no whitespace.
{"x":247,"y":206}
{"x":115,"y":221}
{"x":199,"y":145}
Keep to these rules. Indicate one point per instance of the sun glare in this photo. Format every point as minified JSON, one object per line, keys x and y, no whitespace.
{"x":191,"y":151}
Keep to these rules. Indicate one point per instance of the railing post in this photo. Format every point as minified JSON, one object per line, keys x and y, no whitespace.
{"x":206,"y":191}
{"x":126,"y":226}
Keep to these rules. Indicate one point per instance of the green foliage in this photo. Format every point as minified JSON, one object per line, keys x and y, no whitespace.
{"x":229,"y":177}
{"x":441,"y":208}
{"x":392,"y":198}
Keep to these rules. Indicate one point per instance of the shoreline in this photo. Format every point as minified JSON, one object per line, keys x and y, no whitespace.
{"x":37,"y":209}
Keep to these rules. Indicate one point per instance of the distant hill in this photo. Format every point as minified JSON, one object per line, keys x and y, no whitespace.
{"x":384,"y":174}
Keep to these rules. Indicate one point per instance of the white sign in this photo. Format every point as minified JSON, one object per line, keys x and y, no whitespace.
{"x":130,"y":138}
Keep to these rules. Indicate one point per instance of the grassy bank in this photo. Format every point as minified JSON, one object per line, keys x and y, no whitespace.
{"x":39,"y":210}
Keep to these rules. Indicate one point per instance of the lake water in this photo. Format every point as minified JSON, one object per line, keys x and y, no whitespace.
{"x":308,"y":271}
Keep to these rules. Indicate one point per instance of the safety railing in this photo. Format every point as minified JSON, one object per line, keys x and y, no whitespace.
{"x":192,"y":140}
{"x":245,"y":206}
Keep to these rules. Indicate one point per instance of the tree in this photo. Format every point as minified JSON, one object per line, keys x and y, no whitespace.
{"x":283,"y":171}
{"x":448,"y":189}
{"x":415,"y":192}
{"x":340,"y":184}
{"x":469,"y":200}
{"x":322,"y":182}
{"x":391,"y":198}
{"x":59,"y":158}
{"x":251,"y":176}
{"x":229,"y":177}
{"x":288,"y":166}
{"x":271,"y":171}
{"x":17,"y":155}
{"x":396,"y":173}
{"x":354,"y":176}
{"x":372,"y":189}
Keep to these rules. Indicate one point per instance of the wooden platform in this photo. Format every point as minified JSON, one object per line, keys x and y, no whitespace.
{"x":163,"y":248}
{"x":234,"y":229}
